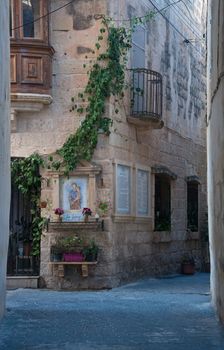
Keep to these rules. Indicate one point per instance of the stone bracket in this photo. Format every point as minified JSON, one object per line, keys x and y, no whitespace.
{"x":22,"y":102}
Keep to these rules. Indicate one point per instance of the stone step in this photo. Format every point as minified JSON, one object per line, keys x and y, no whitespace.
{"x":14,"y":282}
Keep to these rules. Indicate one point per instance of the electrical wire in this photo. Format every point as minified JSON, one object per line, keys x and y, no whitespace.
{"x":187,"y":21}
{"x":142,"y":17}
{"x":96,"y":16}
{"x":158,"y":11}
{"x":186,"y":40}
{"x":47,"y":14}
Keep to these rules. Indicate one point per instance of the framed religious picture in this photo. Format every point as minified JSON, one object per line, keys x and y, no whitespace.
{"x":73,"y":197}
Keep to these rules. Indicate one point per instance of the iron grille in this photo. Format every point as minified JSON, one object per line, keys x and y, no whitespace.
{"x":146,"y":94}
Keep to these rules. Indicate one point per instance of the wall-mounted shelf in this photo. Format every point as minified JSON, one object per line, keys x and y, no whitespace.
{"x":84,"y":267}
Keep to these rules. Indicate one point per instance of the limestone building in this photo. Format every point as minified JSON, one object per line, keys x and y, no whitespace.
{"x":215,"y":151}
{"x":152,"y":166}
{"x":4,"y":149}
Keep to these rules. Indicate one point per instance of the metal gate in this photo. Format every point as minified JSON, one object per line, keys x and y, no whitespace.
{"x":20,"y":259}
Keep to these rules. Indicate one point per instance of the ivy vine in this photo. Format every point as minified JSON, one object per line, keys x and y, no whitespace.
{"x":106,"y":79}
{"x":25,"y":175}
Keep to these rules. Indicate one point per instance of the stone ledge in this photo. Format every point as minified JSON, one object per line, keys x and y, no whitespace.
{"x":24,"y":102}
{"x":14,"y":282}
{"x":130,"y":218}
{"x":162,"y":237}
{"x":192,"y":236}
{"x":70,"y":226}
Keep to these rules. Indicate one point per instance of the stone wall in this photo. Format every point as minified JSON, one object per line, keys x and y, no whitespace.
{"x":215,"y":151}
{"x":132,"y":247}
{"x":4,"y":147}
{"x":180,"y":145}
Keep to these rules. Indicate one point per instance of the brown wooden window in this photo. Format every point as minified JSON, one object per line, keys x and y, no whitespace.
{"x":162,"y":203}
{"x":192,"y":206}
{"x":31,"y":53}
{"x":26,"y":17}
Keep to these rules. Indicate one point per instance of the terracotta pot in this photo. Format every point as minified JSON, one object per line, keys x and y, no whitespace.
{"x":188,"y":268}
{"x":26,"y":248}
{"x":43,"y":204}
{"x":86,"y":218}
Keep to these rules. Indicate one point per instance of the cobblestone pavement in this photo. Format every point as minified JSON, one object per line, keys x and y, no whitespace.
{"x":152,"y":314}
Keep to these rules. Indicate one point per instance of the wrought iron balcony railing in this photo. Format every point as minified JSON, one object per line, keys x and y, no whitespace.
{"x":146,"y":94}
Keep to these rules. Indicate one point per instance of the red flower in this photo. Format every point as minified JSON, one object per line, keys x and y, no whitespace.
{"x":59,"y":211}
{"x":86,"y":211}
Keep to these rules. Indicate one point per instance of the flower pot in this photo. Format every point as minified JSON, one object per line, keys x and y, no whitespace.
{"x":56,"y":257}
{"x":26,"y":248}
{"x":86,"y":218}
{"x":91,"y":257}
{"x":58,"y":218}
{"x":73,"y":257}
{"x":188,"y":268}
{"x":43,"y":204}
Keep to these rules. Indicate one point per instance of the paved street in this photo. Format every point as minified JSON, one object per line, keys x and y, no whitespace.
{"x":153,"y":314}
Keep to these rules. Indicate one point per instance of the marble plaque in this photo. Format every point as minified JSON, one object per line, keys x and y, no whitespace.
{"x":123,"y":204}
{"x":73,"y":197}
{"x":142,"y":204}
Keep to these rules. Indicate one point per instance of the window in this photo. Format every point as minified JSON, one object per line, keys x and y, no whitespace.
{"x":192,"y":206}
{"x":26,"y":16}
{"x":162,"y":203}
{"x":30,"y":13}
{"x":142,"y":197}
{"x":138,"y":48}
{"x":123,"y":189}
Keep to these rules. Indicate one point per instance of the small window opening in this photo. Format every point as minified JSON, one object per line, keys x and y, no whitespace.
{"x":192,"y":206}
{"x":31,"y":12}
{"x":162,"y":203}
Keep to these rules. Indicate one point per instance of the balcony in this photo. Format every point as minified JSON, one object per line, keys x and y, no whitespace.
{"x":146,"y":99}
{"x":31,"y":57}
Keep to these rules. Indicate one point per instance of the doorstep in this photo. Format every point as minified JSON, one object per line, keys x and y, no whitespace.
{"x":14,"y":282}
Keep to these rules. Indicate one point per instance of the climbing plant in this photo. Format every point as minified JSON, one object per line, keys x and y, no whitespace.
{"x":25,"y":175}
{"x":106,"y":78}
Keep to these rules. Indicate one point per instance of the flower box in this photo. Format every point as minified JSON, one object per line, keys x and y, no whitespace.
{"x":73,"y":257}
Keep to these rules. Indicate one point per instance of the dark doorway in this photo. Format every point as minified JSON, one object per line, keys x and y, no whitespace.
{"x":192,"y":206}
{"x":20,"y":258}
{"x":162,"y":203}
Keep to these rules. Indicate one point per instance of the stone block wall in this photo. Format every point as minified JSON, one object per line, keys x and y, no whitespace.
{"x":215,"y":152}
{"x":131,"y":247}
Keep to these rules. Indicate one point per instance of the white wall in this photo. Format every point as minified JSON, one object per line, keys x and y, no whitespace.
{"x":4,"y":146}
{"x":215,"y":151}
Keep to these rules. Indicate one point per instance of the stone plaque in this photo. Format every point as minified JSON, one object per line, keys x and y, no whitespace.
{"x":73,"y":197}
{"x":142,"y":192}
{"x":123,"y":189}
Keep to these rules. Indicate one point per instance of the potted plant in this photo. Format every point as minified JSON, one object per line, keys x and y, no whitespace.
{"x":103,"y":207}
{"x":90,"y":251}
{"x":188,"y":265}
{"x":70,"y":248}
{"x":86,"y":212}
{"x":56,"y":253}
{"x":59,"y":212}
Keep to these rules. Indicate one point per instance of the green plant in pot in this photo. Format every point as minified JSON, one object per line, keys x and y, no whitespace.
{"x":66,"y":245}
{"x":90,"y":251}
{"x":56,"y":253}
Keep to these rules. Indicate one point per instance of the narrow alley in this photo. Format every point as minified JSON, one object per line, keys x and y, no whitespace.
{"x":152,"y":314}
